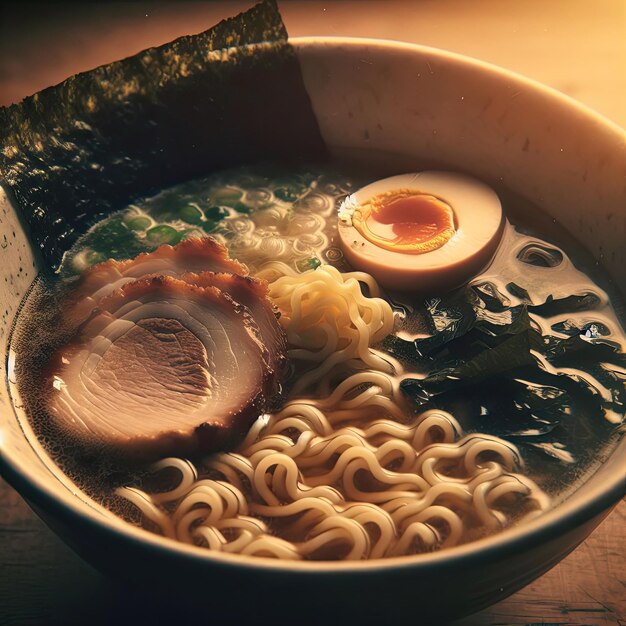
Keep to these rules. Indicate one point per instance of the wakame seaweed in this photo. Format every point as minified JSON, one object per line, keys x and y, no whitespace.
{"x":481,"y":363}
{"x":232,"y":95}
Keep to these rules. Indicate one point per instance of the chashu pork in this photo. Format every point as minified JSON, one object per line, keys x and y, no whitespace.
{"x":196,"y":254}
{"x":164,"y":366}
{"x":253,"y":294}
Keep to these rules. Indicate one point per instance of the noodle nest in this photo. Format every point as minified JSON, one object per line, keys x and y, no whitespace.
{"x":349,"y":474}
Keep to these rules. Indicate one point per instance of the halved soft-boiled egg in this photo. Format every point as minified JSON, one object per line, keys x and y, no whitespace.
{"x":429,"y":231}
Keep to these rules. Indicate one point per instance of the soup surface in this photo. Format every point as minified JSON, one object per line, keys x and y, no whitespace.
{"x":432,"y":419}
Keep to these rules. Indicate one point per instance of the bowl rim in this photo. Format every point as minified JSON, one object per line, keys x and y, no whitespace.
{"x":566,"y":515}
{"x":310,"y":41}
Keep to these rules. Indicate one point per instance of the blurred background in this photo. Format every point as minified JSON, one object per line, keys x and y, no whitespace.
{"x":575,"y":46}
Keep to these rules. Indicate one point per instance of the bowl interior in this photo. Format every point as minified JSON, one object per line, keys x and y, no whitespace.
{"x":410,"y":106}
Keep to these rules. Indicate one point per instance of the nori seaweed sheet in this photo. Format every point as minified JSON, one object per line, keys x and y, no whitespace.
{"x":232,"y":95}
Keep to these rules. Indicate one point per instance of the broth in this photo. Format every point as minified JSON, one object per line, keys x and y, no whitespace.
{"x":562,"y":404}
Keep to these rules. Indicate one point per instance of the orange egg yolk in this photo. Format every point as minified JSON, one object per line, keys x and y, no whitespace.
{"x":404,"y":220}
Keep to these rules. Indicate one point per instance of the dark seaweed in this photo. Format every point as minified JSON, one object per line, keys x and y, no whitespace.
{"x":480,"y":364}
{"x":91,"y":145}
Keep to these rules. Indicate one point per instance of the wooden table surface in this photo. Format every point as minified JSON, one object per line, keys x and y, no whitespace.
{"x":576,"y":46}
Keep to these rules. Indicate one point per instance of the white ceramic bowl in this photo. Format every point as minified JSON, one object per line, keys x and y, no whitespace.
{"x":429,"y":107}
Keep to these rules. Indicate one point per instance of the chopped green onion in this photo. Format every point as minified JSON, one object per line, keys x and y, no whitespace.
{"x":210,"y":226}
{"x":242,"y":208}
{"x":215,"y":213}
{"x":163,"y":234}
{"x":226,"y":197}
{"x":289,"y":193}
{"x":138,"y":223}
{"x":308,"y":264}
{"x":190,"y":214}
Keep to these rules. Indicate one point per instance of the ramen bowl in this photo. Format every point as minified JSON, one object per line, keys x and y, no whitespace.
{"x":407,"y":106}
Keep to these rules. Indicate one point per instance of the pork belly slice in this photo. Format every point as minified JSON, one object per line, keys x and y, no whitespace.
{"x":196,"y":254}
{"x":163,"y":368}
{"x":253,"y":294}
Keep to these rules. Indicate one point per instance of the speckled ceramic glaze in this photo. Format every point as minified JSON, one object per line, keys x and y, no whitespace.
{"x":429,"y":106}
